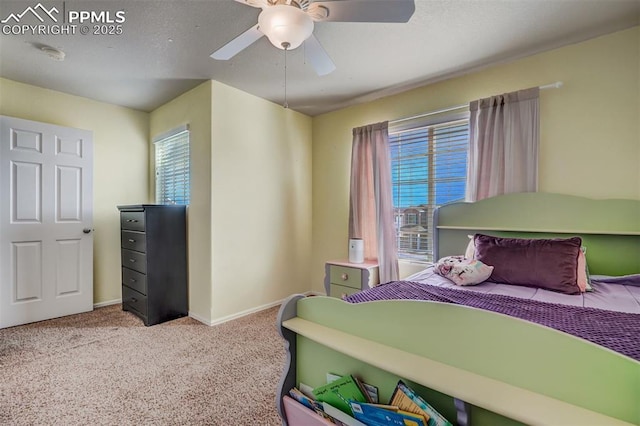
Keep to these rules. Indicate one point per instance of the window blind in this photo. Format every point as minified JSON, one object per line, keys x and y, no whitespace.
{"x":429,"y":167}
{"x":173,"y":167}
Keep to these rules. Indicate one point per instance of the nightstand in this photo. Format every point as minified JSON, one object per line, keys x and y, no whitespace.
{"x":344,"y":278}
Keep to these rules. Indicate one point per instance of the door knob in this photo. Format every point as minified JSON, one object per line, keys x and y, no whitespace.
{"x":86,"y":230}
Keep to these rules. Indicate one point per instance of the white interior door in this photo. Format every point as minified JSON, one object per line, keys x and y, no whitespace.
{"x":46,"y":221}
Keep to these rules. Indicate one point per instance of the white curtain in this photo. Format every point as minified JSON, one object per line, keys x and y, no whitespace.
{"x":370,"y":199}
{"x":504,"y":139}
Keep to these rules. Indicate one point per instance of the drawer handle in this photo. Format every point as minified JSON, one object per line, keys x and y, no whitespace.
{"x":132,"y":280}
{"x":134,"y":300}
{"x":131,"y":240}
{"x":132,"y":220}
{"x":344,"y":276}
{"x":132,"y":260}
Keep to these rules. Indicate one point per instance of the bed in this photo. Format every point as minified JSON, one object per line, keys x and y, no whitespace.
{"x":479,"y":367}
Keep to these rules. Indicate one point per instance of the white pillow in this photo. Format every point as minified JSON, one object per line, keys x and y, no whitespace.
{"x":470,"y":252}
{"x":463,"y":271}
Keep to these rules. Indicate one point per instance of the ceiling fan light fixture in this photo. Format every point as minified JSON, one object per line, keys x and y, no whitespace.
{"x":285,"y":26}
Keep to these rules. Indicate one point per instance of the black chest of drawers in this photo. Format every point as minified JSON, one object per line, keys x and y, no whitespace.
{"x":154,"y":261}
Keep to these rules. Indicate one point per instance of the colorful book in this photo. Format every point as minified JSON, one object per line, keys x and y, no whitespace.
{"x":406,"y":399}
{"x":340,"y":416}
{"x":339,"y":393}
{"x":304,"y":399}
{"x":385,"y":415}
{"x":369,"y":391}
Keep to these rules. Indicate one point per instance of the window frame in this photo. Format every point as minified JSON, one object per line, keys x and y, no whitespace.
{"x":181,"y":177}
{"x":429,"y":122}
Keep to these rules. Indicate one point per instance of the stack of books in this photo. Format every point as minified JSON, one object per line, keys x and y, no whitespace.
{"x":346,"y":400}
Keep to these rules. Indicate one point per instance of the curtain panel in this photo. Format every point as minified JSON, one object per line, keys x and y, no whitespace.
{"x":504,"y":139}
{"x":371,"y":200}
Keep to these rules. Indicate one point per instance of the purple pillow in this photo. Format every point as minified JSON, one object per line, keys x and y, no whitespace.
{"x":551,"y":264}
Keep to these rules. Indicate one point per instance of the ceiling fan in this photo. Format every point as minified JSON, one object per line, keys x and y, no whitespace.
{"x":289,"y":23}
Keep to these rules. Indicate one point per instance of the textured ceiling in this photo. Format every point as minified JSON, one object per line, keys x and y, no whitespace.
{"x":165,"y":45}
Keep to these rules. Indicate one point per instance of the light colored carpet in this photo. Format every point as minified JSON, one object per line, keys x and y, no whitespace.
{"x":106,"y":368}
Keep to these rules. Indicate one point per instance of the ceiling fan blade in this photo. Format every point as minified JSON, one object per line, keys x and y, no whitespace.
{"x":254,"y":3}
{"x":366,"y":10}
{"x":238,"y":44}
{"x":318,"y":57}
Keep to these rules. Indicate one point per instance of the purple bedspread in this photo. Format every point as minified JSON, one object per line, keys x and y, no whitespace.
{"x":618,"y":331}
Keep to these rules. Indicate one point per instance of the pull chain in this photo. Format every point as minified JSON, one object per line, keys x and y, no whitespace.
{"x":285,"y":45}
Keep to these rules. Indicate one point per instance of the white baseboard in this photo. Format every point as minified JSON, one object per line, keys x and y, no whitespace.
{"x":245,"y":312}
{"x":107,"y":303}
{"x":223,"y":319}
{"x":199,"y":318}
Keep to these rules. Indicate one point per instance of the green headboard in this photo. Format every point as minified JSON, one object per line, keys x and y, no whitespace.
{"x":610,"y":229}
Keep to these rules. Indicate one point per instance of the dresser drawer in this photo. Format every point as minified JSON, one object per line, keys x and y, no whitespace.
{"x":135,"y":280}
{"x":340,"y":290}
{"x":348,"y":277}
{"x":134,"y":260}
{"x":131,"y":299}
{"x":134,"y":240}
{"x":132,"y":220}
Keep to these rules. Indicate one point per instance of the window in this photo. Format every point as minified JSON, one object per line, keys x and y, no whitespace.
{"x":429,"y":167}
{"x":172,"y":167}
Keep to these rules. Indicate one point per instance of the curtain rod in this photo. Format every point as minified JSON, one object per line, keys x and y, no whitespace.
{"x":556,"y":85}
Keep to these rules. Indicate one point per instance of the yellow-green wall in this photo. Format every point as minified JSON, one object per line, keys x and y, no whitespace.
{"x":192,"y":108}
{"x":120,"y":171}
{"x":261,"y":202}
{"x":590,"y":137}
{"x":250,"y":212}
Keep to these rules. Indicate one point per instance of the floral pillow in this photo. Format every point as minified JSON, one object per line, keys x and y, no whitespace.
{"x":463,"y":271}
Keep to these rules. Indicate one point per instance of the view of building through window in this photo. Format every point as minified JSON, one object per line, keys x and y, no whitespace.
{"x":428,"y":166}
